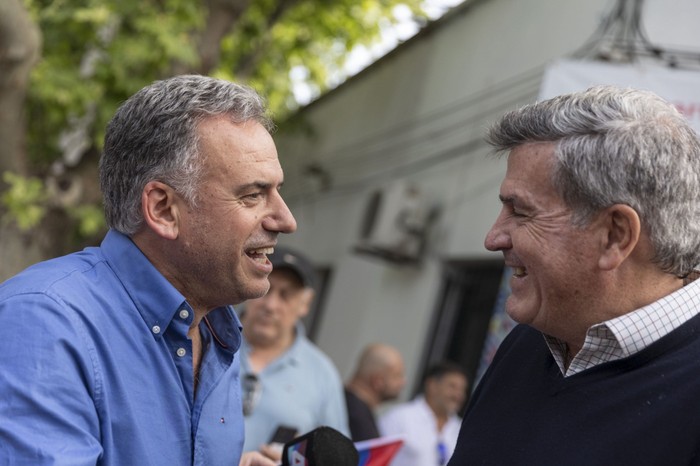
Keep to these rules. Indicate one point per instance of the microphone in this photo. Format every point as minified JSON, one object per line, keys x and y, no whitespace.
{"x":323,"y":446}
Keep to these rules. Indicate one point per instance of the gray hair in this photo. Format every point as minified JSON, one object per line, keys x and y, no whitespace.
{"x":153,"y":136}
{"x":620,"y":146}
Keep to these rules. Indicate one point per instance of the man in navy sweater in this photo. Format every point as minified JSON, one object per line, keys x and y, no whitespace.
{"x":600,"y":222}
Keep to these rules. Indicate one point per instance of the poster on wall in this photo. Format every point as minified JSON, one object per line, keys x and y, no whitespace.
{"x":679,"y":87}
{"x":500,"y":325}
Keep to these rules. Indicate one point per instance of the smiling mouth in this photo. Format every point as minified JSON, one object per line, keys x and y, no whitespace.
{"x":260,"y":254}
{"x":519,"y":272}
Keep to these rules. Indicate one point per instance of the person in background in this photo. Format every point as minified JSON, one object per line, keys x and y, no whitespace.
{"x":429,"y":424}
{"x":127,"y":353}
{"x":600,"y":222}
{"x":289,"y":385}
{"x":378,"y":377}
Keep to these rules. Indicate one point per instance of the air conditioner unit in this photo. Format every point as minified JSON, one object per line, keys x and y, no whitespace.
{"x":396,"y":223}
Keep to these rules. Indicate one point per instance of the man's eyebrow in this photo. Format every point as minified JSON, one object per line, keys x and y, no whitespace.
{"x":507,"y":199}
{"x":262,"y":185}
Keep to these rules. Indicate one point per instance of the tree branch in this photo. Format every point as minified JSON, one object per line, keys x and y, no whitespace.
{"x":249,"y":62}
{"x":221,"y":17}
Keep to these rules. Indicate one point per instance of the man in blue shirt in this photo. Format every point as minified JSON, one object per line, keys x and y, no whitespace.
{"x":127,"y":353}
{"x":288,"y":382}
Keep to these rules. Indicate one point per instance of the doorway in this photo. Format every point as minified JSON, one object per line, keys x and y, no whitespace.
{"x":472,"y":295}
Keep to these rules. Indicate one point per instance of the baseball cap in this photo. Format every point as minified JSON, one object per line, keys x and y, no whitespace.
{"x":286,"y":258}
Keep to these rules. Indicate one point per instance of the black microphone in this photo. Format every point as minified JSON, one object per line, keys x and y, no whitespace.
{"x":323,"y":446}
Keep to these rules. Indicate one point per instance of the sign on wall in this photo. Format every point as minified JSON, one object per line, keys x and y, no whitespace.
{"x":680,"y":87}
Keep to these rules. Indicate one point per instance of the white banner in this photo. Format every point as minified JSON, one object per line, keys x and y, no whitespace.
{"x":680,"y":87}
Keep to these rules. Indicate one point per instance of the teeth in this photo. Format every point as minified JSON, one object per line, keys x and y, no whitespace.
{"x":262,"y":251}
{"x":260,"y":254}
{"x":519,"y":271}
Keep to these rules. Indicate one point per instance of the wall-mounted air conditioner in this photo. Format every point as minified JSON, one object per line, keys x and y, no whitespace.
{"x":396,"y":223}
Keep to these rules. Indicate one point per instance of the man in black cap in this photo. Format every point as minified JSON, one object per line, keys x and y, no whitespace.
{"x":289,"y":385}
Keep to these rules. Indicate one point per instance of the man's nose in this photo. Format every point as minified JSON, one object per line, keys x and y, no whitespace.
{"x":498,"y":237}
{"x":281,"y":219}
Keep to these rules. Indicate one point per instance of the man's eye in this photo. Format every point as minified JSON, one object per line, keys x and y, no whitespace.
{"x":516,"y":213}
{"x":253,"y":195}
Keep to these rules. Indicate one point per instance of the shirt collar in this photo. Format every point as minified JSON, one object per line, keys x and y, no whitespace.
{"x":154,"y":296}
{"x":294,"y":351}
{"x":655,"y":320}
{"x":630,"y":333}
{"x":291,"y":356}
{"x":225,"y":327}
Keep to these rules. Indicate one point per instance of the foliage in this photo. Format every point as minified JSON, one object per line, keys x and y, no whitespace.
{"x":315,"y":34}
{"x":96,"y":53}
{"x":24,"y":200}
{"x":90,"y":219}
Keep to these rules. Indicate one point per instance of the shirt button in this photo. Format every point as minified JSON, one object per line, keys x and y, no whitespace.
{"x":184,"y":314}
{"x":155,"y":329}
{"x":181,"y":352}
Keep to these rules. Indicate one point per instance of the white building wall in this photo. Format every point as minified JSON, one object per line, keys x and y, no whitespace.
{"x":420,"y":114}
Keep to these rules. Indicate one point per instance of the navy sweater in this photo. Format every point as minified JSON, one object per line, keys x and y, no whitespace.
{"x":637,"y":411}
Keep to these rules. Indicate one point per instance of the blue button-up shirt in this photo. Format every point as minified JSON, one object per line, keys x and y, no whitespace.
{"x":96,"y":367}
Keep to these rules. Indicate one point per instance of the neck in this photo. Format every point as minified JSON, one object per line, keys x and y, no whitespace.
{"x":440,"y":416}
{"x":261,"y":354}
{"x":363,"y":392}
{"x":441,"y":420}
{"x":629,"y":290}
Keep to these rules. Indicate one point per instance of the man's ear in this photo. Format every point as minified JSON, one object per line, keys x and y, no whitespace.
{"x":160,"y":209}
{"x":306,"y":300}
{"x":377,"y":381}
{"x":622,"y":230}
{"x":429,"y":386}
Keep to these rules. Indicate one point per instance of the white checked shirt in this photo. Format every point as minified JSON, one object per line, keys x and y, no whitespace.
{"x":630,"y":333}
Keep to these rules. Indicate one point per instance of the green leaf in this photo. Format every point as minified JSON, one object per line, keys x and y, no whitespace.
{"x":24,"y":200}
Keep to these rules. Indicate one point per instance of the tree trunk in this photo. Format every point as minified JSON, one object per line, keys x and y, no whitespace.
{"x":20,"y":43}
{"x":221,"y":17}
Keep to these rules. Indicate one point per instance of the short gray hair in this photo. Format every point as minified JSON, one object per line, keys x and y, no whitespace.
{"x":620,"y":146}
{"x":153,"y":136}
